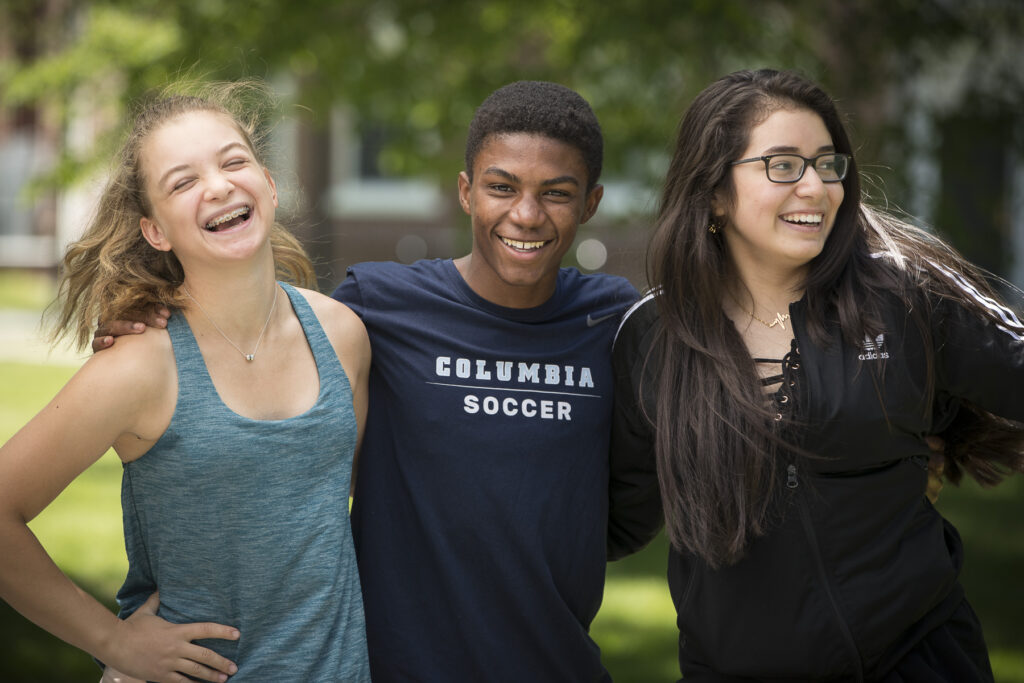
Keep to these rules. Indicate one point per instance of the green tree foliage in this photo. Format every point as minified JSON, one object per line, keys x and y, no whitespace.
{"x":417,"y":68}
{"x":72,"y":63}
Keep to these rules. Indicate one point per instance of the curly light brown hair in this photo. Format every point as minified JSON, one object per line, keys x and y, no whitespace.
{"x":112,"y":272}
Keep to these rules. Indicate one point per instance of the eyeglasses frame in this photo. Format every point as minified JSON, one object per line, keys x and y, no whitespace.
{"x":807,"y":162}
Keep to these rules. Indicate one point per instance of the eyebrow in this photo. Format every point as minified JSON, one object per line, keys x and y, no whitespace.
{"x":785,"y":149}
{"x":181,"y":167}
{"x":516,"y":179}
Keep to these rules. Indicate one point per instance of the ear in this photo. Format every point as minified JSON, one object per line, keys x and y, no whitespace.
{"x":154,"y":234}
{"x":464,"y":189}
{"x":273,"y":186}
{"x":719,"y":206}
{"x":591,"y":203}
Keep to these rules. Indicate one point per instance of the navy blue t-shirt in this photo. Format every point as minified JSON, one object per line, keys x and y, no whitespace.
{"x":480,"y":511}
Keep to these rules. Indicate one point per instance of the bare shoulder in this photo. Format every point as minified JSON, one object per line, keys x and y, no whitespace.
{"x":136,"y":364}
{"x":128,"y":388}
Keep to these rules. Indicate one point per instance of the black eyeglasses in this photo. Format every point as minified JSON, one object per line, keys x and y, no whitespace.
{"x":831,"y":167}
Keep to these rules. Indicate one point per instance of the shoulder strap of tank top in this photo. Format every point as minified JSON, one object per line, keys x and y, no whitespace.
{"x":192,"y":372}
{"x":323,"y":352}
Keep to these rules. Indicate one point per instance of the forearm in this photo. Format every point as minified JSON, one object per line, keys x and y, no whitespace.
{"x":634,"y":499}
{"x":34,"y":586}
{"x":632,"y":527}
{"x":635,"y":514}
{"x":634,"y":507}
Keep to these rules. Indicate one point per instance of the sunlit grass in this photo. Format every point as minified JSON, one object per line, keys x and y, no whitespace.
{"x":24,"y":389}
{"x":1007,"y":664}
{"x":636,"y":627}
{"x":26,"y":289}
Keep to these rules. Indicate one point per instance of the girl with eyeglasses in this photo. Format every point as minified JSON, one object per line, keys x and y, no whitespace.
{"x":774,"y":393}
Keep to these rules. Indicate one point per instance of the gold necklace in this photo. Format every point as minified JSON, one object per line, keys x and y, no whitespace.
{"x":780,"y":319}
{"x":248,"y":356}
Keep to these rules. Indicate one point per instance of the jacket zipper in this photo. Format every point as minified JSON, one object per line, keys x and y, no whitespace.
{"x":792,"y":483}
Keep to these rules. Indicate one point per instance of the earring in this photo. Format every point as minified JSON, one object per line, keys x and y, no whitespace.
{"x":713,"y":227}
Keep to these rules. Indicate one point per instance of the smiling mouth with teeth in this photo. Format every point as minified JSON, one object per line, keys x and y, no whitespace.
{"x":522,"y":246}
{"x":228,"y":220}
{"x":804,"y":218}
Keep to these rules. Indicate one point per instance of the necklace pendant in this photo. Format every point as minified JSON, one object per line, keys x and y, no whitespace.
{"x":249,"y":357}
{"x":780,"y":320}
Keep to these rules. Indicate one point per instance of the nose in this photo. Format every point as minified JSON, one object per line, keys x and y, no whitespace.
{"x":527,"y":212}
{"x":811,"y":183}
{"x":218,"y":186}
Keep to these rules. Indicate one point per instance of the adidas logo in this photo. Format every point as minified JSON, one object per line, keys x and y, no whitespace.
{"x":874,"y":349}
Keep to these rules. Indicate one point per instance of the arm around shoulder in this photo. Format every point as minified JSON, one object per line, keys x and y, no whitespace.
{"x":981,"y":358}
{"x":634,"y":508}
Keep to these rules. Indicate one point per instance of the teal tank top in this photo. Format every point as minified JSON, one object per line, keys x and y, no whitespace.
{"x":245,"y":522}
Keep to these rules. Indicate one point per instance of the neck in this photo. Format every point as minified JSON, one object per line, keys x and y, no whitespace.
{"x":762,"y":298}
{"x":767,"y":290}
{"x":238,"y":303}
{"x":494,"y":289}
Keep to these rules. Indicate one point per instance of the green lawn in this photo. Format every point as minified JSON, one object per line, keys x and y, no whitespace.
{"x":636,"y":626}
{"x":25,"y":289}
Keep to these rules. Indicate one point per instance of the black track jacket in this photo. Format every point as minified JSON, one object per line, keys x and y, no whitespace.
{"x":861,"y":566}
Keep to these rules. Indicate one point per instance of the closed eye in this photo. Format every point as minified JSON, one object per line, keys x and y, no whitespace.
{"x":182,"y":184}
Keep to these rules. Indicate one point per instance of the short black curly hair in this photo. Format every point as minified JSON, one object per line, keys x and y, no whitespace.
{"x":539,"y":107}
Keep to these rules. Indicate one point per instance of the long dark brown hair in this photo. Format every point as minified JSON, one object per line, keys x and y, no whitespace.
{"x":719,"y":456}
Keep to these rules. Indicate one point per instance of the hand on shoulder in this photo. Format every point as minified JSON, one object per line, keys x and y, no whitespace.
{"x":135,"y":359}
{"x":108,"y":331}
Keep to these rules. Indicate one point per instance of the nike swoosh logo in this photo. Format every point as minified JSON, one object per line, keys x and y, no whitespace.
{"x":596,"y":321}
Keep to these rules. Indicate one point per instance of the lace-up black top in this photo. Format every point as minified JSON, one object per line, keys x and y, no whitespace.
{"x":784,"y":396}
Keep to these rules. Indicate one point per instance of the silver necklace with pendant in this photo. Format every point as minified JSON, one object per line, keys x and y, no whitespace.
{"x":247,"y":356}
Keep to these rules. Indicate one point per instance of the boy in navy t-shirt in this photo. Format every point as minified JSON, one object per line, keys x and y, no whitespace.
{"x":481,"y":498}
